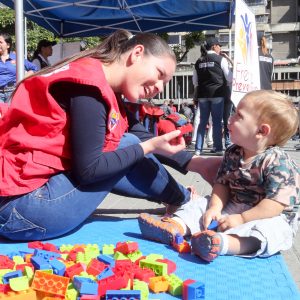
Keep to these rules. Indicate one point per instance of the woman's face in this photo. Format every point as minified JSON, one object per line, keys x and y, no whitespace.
{"x":146,"y":75}
{"x":3,"y":46}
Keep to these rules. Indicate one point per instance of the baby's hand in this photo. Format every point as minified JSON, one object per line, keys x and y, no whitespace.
{"x":230,"y":221}
{"x":209,"y":215}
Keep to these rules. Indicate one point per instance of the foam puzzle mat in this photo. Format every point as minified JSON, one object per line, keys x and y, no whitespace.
{"x":225,"y":278}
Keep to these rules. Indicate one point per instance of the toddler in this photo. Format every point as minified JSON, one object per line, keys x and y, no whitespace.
{"x":255,"y":198}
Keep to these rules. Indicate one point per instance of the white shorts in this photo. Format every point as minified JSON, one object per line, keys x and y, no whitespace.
{"x":275,"y":234}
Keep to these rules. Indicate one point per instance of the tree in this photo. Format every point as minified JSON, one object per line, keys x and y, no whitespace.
{"x":35,"y":33}
{"x":190,"y":40}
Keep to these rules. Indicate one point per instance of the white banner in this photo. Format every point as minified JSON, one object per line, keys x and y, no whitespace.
{"x":246,"y":64}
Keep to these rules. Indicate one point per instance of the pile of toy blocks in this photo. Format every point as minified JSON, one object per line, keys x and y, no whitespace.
{"x":86,"y":272}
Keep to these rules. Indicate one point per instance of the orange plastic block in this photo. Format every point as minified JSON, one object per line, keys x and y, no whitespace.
{"x":50,"y":283}
{"x":183,"y":247}
{"x":29,"y":294}
{"x":158,"y":284}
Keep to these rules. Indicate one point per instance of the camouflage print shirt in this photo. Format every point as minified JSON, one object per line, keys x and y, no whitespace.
{"x":271,"y":174}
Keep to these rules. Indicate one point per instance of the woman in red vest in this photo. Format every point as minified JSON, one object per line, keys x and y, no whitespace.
{"x":67,"y":141}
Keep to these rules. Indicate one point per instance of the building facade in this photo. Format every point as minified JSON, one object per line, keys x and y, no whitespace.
{"x":280,"y":22}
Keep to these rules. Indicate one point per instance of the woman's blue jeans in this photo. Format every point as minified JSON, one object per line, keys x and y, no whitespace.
{"x":213,"y":106}
{"x":61,"y":204}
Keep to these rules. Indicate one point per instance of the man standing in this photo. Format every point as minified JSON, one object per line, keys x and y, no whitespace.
{"x":211,"y":76}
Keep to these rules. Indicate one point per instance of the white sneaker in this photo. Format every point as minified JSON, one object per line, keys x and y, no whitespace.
{"x":197,"y":152}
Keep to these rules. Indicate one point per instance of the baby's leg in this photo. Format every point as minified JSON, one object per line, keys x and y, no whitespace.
{"x":164,"y":229}
{"x":209,"y":244}
{"x":242,"y":245}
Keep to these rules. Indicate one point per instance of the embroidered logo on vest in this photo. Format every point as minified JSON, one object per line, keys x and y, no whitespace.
{"x":113,"y":120}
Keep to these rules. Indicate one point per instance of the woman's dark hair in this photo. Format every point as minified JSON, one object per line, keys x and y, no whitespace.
{"x":8,"y":40}
{"x":115,"y":45}
{"x":203,"y":50}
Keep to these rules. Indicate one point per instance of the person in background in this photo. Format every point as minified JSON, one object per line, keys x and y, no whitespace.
{"x":43,"y":51}
{"x":8,"y":68}
{"x":210,"y":78}
{"x":256,"y":196}
{"x":67,"y":140}
{"x":172,"y":106}
{"x":266,"y":62}
{"x":187,"y":112}
{"x":166,"y":108}
{"x":228,"y":105}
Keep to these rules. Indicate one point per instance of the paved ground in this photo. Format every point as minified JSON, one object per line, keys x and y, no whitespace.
{"x":121,"y":207}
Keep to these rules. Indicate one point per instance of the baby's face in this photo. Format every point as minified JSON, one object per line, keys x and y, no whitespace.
{"x":243,"y":124}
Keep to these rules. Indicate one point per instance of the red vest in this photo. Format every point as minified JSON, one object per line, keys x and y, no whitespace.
{"x":34,"y":133}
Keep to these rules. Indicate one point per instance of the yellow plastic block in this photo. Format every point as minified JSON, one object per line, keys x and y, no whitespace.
{"x":29,"y":294}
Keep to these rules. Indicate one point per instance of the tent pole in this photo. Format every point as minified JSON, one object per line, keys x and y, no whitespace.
{"x":230,"y":44}
{"x":19,"y":29}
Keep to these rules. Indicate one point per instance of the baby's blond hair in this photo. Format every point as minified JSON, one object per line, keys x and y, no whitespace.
{"x":277,"y":110}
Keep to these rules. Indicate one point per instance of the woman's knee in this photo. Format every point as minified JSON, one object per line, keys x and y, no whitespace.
{"x":128,"y":139}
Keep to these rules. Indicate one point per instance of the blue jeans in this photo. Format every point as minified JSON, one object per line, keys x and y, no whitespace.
{"x":61,"y":204}
{"x":5,"y":96}
{"x":213,"y":106}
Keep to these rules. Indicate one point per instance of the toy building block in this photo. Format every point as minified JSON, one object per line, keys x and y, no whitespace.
{"x":40,"y":263}
{"x":193,"y":290}
{"x":144,"y":274}
{"x":58,"y":267}
{"x":73,"y":270}
{"x":158,"y":268}
{"x":171,"y":265}
{"x":108,"y":249}
{"x":89,"y":297}
{"x":134,"y":256}
{"x":178,"y":238}
{"x":28,"y":294}
{"x":46,"y":255}
{"x":50,"y":283}
{"x":6,"y":277}
{"x":126,"y":247}
{"x":122,"y":295}
{"x":184,"y":247}
{"x":112,"y":283}
{"x":18,"y":284}
{"x":158,"y":284}
{"x":85,"y":285}
{"x":107,"y":272}
{"x":185,"y":288}
{"x":106,"y":259}
{"x":4,"y":288}
{"x":175,"y":285}
{"x":72,"y":255}
{"x":120,"y":256}
{"x":50,"y":247}
{"x":213,"y":225}
{"x":21,"y":267}
{"x":18,"y":259}
{"x":143,"y":287}
{"x":95,"y":267}
{"x":6,"y":262}
{"x":35,"y":245}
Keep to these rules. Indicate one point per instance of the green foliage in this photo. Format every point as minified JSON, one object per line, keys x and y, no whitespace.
{"x":190,"y":40}
{"x":35,"y":33}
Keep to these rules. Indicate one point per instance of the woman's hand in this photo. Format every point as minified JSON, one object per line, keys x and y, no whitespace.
{"x":167,"y":144}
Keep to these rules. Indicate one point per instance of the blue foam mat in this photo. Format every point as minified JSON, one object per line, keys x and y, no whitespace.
{"x":226,"y":278}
